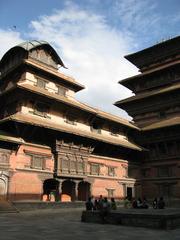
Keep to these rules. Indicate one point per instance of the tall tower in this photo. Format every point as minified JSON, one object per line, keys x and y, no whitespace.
{"x":155,"y":109}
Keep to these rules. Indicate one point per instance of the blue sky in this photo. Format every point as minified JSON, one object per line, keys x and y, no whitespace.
{"x":92,"y":36}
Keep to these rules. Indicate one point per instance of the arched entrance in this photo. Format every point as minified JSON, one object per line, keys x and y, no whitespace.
{"x":83,"y":191}
{"x":51,"y":189}
{"x":68,"y":191}
{"x":2,"y":189}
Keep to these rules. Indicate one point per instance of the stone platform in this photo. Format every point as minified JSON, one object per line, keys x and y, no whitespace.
{"x":148,"y":218}
{"x":7,"y":207}
{"x":40,"y":205}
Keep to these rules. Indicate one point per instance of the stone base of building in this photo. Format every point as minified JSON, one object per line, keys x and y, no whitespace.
{"x":34,"y":205}
{"x":148,"y":218}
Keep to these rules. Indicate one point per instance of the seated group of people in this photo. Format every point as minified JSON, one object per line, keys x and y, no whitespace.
{"x":160,"y":204}
{"x":143,"y":204}
{"x":100,"y":204}
{"x":140,"y":203}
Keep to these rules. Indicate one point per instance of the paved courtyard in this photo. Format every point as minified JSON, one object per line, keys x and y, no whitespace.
{"x":66,"y":224}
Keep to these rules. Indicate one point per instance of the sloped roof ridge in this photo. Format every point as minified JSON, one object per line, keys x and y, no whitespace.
{"x":104,"y":114}
{"x":28,"y":45}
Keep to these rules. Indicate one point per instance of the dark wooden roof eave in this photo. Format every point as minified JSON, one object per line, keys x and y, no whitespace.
{"x":74,"y":85}
{"x":76,"y":104}
{"x":149,"y":94}
{"x":19,"y":118}
{"x":127,"y":82}
{"x":149,"y":55}
{"x":166,"y":123}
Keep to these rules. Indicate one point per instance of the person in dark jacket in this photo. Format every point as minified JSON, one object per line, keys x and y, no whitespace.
{"x":161,"y":203}
{"x":89,"y":205}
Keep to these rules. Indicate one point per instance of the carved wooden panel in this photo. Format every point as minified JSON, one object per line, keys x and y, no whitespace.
{"x":72,"y":159}
{"x":43,"y":56}
{"x":4,"y":160}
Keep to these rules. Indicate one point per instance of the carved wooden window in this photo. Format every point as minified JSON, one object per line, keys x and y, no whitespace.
{"x":41,"y":109}
{"x":38,"y":162}
{"x":11,"y":108}
{"x":80,"y":166}
{"x":153,"y":152}
{"x":125,"y":168}
{"x":172,"y":149}
{"x":110,"y":192}
{"x":165,"y":190}
{"x":162,"y":114}
{"x":73,"y":166}
{"x":114,"y":132}
{"x":4,"y":159}
{"x":95,"y":128}
{"x":61,"y":91}
{"x":164,"y":171}
{"x":65,"y":164}
{"x":95,"y":169}
{"x":146,"y":172}
{"x":111,"y":171}
{"x":70,"y":119}
{"x":162,"y":149}
{"x":41,"y":83}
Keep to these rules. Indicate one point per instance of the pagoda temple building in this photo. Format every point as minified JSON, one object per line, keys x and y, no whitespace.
{"x":53,"y":145}
{"x":155,"y":108}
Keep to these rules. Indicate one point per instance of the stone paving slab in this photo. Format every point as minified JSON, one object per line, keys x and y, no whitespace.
{"x":66,"y":224}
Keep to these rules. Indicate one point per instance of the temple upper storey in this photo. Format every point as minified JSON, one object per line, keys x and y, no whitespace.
{"x":159,"y":67}
{"x":39,"y":51}
{"x":38,"y":58}
{"x":157,"y":55}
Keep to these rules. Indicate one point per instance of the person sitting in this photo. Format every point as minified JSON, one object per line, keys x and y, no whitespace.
{"x":96,"y":205}
{"x":139,"y":203}
{"x":89,"y":205}
{"x":113,"y":204}
{"x":161,"y":203}
{"x":104,"y":210}
{"x":100,"y":202}
{"x":134,"y":203}
{"x":155,"y":203}
{"x":126,"y":202}
{"x":145,"y":204}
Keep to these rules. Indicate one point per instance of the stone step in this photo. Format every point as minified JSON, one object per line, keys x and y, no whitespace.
{"x":7,"y":207}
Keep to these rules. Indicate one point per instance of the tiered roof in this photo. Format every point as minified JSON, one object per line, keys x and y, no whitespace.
{"x":157,"y":53}
{"x":55,"y":74}
{"x":46,"y":123}
{"x":159,"y":59}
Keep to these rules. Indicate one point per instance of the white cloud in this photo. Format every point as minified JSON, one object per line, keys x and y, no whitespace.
{"x":92,"y":51}
{"x":8,"y":39}
{"x":138,"y":15}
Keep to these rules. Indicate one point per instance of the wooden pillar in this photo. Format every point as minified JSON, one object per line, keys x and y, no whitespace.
{"x":76,"y":189}
{"x":60,"y":188}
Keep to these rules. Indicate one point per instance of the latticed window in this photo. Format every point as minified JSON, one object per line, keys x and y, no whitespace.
{"x":73,"y":165}
{"x":110,"y":192}
{"x":38,"y":162}
{"x":70,"y":119}
{"x":114,"y":132}
{"x":95,"y":128}
{"x":95,"y":169}
{"x":41,"y":109}
{"x":111,"y":171}
{"x":145,"y":172}
{"x":80,"y":166}
{"x":65,"y":164}
{"x":41,"y":83}
{"x":164,"y":171}
{"x":61,"y":91}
